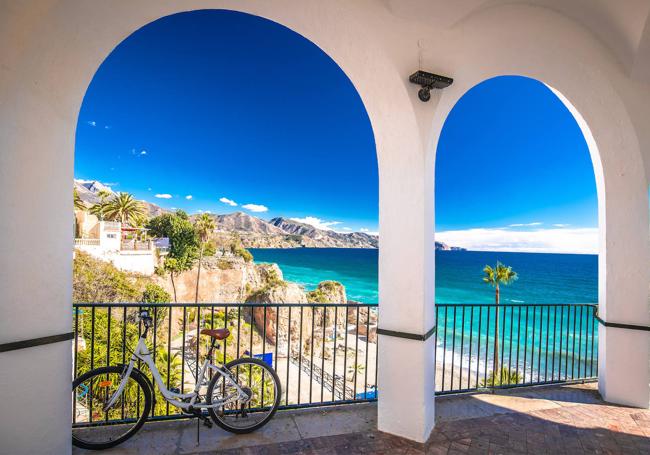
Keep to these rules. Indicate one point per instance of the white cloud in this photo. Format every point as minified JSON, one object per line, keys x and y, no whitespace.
{"x":317,"y":222}
{"x":577,"y":240}
{"x":561,"y":225}
{"x":536,"y":223}
{"x":164,"y":196}
{"x":364,"y":229}
{"x":347,"y":229}
{"x":91,"y":123}
{"x":107,"y":127}
{"x":148,"y":189}
{"x":256,"y":207}
{"x":143,"y":152}
{"x":188,"y":197}
{"x":230,"y":202}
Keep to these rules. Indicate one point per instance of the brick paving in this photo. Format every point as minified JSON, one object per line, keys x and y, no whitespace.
{"x":596,"y":428}
{"x":568,"y":419}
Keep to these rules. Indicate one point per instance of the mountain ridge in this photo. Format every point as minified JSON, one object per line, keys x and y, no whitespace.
{"x":278,"y":232}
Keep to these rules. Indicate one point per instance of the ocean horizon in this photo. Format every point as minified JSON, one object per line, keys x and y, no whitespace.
{"x":543,"y":277}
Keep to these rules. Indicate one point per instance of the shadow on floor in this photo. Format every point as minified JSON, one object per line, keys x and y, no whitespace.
{"x":558,"y":420}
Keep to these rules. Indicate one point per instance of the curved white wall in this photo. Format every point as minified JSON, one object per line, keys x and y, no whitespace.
{"x":50,"y":50}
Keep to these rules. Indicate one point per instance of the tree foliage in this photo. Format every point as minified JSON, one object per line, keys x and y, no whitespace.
{"x":501,"y":274}
{"x":125,"y":208}
{"x":183,"y":242}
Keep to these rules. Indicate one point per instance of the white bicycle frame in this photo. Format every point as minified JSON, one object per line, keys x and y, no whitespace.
{"x":142,"y":352}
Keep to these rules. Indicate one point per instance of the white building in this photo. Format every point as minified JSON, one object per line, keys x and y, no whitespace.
{"x":104,"y":240}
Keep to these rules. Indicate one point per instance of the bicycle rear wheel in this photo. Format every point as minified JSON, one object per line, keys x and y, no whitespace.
{"x":97,"y":428}
{"x":262,"y":385}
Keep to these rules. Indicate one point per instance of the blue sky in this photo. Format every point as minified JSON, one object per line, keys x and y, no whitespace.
{"x":208,"y":109}
{"x":223,"y":105}
{"x":513,"y":170}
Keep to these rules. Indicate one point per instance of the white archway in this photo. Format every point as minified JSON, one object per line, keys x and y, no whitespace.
{"x":50,"y":52}
{"x":524,"y":50}
{"x":46,"y":149}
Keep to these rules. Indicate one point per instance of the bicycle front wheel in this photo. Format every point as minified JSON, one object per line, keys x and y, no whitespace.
{"x":95,"y":427}
{"x":262,"y":395}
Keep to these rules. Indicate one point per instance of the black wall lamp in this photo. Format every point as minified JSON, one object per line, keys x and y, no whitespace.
{"x":429,"y":81}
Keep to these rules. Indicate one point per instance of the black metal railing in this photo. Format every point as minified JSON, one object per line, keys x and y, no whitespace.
{"x":324,"y":354}
{"x":534,"y":344}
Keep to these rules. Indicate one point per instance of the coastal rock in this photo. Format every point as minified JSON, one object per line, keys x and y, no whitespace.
{"x":268,"y":320}
{"x":224,"y":279}
{"x":328,"y":292}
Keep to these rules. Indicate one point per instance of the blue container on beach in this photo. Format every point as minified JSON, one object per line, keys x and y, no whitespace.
{"x":371,"y":394}
{"x":266,"y":358}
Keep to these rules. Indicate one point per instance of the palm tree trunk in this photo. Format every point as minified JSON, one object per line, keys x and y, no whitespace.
{"x":496,"y":337}
{"x":171,"y":275}
{"x":198,"y":275}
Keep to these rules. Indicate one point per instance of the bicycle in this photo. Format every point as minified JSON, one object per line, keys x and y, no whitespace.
{"x":113,"y":402}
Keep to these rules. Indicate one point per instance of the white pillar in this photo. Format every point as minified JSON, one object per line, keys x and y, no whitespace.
{"x":624,"y":354}
{"x":36,"y":232}
{"x":406,"y":290}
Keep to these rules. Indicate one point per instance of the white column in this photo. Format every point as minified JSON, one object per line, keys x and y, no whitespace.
{"x":406,"y":293}
{"x":624,"y":354}
{"x":36,"y":238}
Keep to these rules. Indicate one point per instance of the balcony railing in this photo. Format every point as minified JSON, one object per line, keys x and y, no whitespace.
{"x":535,"y":344}
{"x":322,"y":352}
{"x":326,"y":354}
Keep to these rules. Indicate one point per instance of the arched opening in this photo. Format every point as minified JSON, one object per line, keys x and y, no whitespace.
{"x":517,"y":199}
{"x":229,"y":163}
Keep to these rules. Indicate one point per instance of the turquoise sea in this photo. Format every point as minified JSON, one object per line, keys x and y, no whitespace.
{"x":543,"y":278}
{"x":538,"y":342}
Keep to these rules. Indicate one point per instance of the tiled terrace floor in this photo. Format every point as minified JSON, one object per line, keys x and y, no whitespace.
{"x":557,"y":420}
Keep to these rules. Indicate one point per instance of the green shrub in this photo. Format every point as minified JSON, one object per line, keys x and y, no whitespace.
{"x":155,"y":294}
{"x":503,"y":377}
{"x":243,"y":253}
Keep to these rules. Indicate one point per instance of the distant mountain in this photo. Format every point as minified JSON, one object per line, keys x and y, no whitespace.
{"x":88,"y":191}
{"x":326,"y":238}
{"x":444,"y":247}
{"x":243,"y":223}
{"x":283,"y":232}
{"x":255,"y":232}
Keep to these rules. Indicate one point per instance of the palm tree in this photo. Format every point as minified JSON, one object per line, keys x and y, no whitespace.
{"x":501,"y":274}
{"x":356,"y":370}
{"x":79,"y":204}
{"x":99,"y":208}
{"x":124,"y":207}
{"x":203,"y":225}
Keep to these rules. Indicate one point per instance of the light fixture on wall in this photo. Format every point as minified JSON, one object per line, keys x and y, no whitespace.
{"x":429,"y":81}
